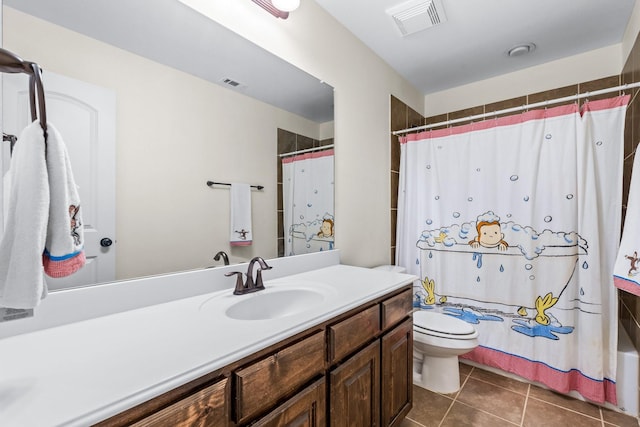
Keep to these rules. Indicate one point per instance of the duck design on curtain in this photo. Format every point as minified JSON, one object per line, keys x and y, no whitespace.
{"x":512,"y":224}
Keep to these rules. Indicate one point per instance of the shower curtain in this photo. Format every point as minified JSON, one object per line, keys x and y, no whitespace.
{"x":512,"y":224}
{"x":307,"y":190}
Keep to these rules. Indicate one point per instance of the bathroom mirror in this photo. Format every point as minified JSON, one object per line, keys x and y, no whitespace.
{"x":194,"y":102}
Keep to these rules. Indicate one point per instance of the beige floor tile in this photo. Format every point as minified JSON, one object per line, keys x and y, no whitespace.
{"x":428,"y":408}
{"x":463,"y":415}
{"x":498,"y":401}
{"x":408,"y":423}
{"x":564,"y":401}
{"x":542,"y":414}
{"x":618,"y":419}
{"x":499,"y":380}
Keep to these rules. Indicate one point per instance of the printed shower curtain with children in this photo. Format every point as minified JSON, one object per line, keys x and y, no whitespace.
{"x":307,"y":191}
{"x":512,"y":224}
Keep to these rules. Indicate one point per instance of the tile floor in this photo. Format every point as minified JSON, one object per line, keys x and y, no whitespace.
{"x":491,"y":400}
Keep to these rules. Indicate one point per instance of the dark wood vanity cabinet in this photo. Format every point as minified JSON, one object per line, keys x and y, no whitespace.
{"x":207,"y":407}
{"x":307,"y":408}
{"x":397,"y":373}
{"x":355,"y":389}
{"x":353,"y":370}
{"x":372,"y":387}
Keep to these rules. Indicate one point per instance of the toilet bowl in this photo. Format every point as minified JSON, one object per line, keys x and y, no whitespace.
{"x":438,"y":340}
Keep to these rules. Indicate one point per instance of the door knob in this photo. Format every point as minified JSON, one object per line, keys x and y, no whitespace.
{"x":105,"y":242}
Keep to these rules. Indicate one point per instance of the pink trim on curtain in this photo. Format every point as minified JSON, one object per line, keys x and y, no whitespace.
{"x":605,"y":104}
{"x":601,"y":104}
{"x":492,"y":123}
{"x":562,"y":381}
{"x":305,"y":156}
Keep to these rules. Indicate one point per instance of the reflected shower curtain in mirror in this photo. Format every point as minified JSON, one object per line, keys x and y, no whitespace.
{"x":307,"y":190}
{"x":512,"y":224}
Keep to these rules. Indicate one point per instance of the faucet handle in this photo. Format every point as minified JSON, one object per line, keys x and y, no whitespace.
{"x":263,"y":266}
{"x":240,"y":288}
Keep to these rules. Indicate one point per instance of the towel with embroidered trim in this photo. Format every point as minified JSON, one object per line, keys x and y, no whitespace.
{"x":240,"y":233}
{"x":64,"y":248}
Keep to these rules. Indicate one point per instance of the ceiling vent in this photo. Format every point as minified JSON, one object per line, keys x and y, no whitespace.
{"x":234,"y":84}
{"x":417,"y":15}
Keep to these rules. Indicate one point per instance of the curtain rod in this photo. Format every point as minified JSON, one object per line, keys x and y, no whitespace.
{"x":308,"y":150}
{"x":522,"y":107}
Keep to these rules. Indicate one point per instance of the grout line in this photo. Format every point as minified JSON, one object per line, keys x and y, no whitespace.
{"x":601,"y":416}
{"x":633,"y":98}
{"x":455,"y":398}
{"x":524,"y":408}
{"x":447,"y":412}
{"x":415,"y":422}
{"x":499,"y":386}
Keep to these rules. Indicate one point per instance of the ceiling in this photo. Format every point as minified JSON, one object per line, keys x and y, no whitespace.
{"x":168,"y":32}
{"x":471,"y":44}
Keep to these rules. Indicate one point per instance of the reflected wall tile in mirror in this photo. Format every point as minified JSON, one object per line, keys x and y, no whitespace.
{"x":304,"y":143}
{"x":324,"y":142}
{"x":286,"y":141}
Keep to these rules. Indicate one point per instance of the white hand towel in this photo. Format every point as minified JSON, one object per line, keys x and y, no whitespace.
{"x":64,"y":253}
{"x":22,"y":283}
{"x":241,"y":234}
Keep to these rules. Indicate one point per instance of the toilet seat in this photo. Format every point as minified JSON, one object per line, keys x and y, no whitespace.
{"x":443,"y":326}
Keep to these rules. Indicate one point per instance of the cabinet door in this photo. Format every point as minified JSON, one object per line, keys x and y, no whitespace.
{"x":208,"y":407}
{"x":306,"y":409}
{"x":354,"y":389}
{"x":397,"y":373}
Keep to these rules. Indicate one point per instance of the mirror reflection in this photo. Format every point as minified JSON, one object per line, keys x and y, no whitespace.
{"x":168,"y":100}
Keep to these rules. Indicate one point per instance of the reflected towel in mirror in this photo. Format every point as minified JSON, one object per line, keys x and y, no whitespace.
{"x":240,"y":233}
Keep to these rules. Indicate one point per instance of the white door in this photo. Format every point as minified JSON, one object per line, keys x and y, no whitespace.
{"x":84,"y":114}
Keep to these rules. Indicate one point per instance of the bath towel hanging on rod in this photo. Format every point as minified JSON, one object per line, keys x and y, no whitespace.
{"x":211,"y":184}
{"x":520,"y":108}
{"x":12,"y":63}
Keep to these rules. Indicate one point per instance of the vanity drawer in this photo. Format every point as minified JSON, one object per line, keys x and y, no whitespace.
{"x":206,"y":407}
{"x":347,"y":335}
{"x":263,"y":383}
{"x":396,"y":308}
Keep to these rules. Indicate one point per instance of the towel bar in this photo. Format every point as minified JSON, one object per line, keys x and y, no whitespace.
{"x":211,"y":183}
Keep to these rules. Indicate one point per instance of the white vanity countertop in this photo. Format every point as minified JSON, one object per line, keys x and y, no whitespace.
{"x":84,"y":372}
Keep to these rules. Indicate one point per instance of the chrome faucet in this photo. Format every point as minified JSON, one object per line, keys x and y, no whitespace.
{"x":224,"y":256}
{"x":249,"y":285}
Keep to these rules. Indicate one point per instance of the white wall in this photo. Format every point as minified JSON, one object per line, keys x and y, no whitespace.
{"x":315,"y":42}
{"x":174,"y":132}
{"x":631,"y":32}
{"x":588,"y":66}
{"x":568,"y":71}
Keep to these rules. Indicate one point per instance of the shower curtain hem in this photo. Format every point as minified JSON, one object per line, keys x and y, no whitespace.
{"x":595,"y":390}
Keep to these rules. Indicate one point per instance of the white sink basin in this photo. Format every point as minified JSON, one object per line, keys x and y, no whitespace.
{"x":275,"y":302}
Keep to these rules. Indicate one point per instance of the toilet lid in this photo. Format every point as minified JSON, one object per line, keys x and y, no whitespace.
{"x":442,"y":325}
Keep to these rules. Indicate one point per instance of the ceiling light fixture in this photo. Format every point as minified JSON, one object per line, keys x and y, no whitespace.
{"x":521,"y":49}
{"x":278,"y":8}
{"x":286,"y":5}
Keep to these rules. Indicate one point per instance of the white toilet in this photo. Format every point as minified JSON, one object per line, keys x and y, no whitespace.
{"x":438,"y":340}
